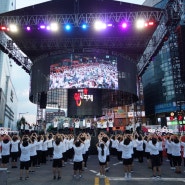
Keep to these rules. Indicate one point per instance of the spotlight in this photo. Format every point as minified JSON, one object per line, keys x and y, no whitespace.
{"x":42,"y":27}
{"x":109,"y":25}
{"x":13,"y":28}
{"x":124,"y":25}
{"x":146,"y":24}
{"x":3,"y":28}
{"x":28,"y":28}
{"x":68,"y":27}
{"x":54,"y":26}
{"x":48,"y":28}
{"x":140,"y":24}
{"x":84,"y":26}
{"x":150,"y":23}
{"x":98,"y":25}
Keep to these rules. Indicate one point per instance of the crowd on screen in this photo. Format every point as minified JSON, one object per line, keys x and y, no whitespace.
{"x":89,"y":75}
{"x":30,"y":152}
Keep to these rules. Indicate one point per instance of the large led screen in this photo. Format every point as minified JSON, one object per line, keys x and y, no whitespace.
{"x":84,"y":71}
{"x":84,"y":102}
{"x":115,"y":76}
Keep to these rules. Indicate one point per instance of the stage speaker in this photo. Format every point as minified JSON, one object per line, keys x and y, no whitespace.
{"x":43,"y":100}
{"x":181,"y":49}
{"x":163,"y":122}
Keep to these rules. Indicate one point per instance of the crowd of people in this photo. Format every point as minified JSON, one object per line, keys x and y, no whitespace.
{"x":29,"y":152}
{"x":89,"y":75}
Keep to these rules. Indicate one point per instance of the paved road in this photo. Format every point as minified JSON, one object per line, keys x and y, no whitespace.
{"x":115,"y":176}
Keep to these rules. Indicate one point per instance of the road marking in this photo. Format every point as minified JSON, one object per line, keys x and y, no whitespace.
{"x":117,"y":163}
{"x":93,"y":171}
{"x":96,"y":181}
{"x":145,"y":179}
{"x":107,"y":182}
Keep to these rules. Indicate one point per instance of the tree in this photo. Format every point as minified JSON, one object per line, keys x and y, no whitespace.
{"x":20,"y":122}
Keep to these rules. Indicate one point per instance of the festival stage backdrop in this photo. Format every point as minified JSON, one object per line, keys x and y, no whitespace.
{"x":84,"y":102}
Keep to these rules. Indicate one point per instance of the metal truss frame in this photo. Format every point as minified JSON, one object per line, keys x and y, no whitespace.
{"x":151,"y":48}
{"x":77,"y":19}
{"x":8,"y":47}
{"x":107,"y":42}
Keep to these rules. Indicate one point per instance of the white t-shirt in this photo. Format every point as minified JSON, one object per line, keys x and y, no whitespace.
{"x":25,"y":153}
{"x":88,"y":124}
{"x":45,"y":145}
{"x":127,"y":150}
{"x":139,"y":146}
{"x":102,"y":158}
{"x":78,"y":151}
{"x":176,"y":149}
{"x":104,"y":125}
{"x":154,"y":149}
{"x":39,"y":145}
{"x":5,"y":148}
{"x":110,"y":123}
{"x":15,"y":146}
{"x":98,"y":124}
{"x":58,"y":149}
{"x":66,"y":125}
{"x":50,"y":143}
{"x":77,"y":124}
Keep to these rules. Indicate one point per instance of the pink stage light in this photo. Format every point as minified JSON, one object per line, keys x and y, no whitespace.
{"x":151,"y":23}
{"x":28,"y":28}
{"x":124,"y":25}
{"x":3,"y":28}
{"x":109,"y":25}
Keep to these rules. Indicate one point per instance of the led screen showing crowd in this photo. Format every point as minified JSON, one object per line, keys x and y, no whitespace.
{"x":84,"y":71}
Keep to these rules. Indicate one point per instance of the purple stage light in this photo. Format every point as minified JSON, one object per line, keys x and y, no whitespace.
{"x":124,"y":25}
{"x":48,"y":27}
{"x":42,"y":26}
{"x":28,"y":28}
{"x":109,"y":25}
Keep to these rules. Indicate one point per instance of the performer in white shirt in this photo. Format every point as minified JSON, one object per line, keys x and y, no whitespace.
{"x":25,"y":156}
{"x":110,"y":125}
{"x":98,"y":126}
{"x":66,"y":127}
{"x":14,"y":150}
{"x":127,"y":148}
{"x":78,"y":147}
{"x":5,"y":150}
{"x":77,"y":127}
{"x":88,"y":126}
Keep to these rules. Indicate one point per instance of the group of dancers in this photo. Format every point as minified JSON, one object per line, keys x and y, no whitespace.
{"x":33,"y":150}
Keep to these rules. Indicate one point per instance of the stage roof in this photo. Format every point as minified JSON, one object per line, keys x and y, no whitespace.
{"x":36,"y":43}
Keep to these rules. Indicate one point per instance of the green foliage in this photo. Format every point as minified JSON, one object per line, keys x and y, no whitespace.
{"x":20,"y":122}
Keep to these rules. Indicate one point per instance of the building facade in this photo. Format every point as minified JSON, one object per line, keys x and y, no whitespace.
{"x":163,"y":81}
{"x":8,"y":98}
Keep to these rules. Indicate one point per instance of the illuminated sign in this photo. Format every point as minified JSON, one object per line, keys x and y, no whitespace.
{"x":82,"y":94}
